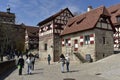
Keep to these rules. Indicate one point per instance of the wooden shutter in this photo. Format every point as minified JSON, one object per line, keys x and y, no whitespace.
{"x":81,"y":40}
{"x":75,"y":45}
{"x":91,"y":38}
{"x":69,"y":42}
{"x":63,"y":42}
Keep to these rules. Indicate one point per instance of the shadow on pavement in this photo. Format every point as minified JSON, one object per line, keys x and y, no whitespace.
{"x":37,"y":73}
{"x":68,"y":79}
{"x":34,"y":73}
{"x":7,"y":73}
{"x":72,"y":71}
{"x":40,"y":69}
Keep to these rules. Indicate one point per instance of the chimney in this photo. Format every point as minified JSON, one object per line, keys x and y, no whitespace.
{"x":8,"y":9}
{"x":89,"y":8}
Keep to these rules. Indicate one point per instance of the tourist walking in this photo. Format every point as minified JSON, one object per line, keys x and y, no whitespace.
{"x":49,"y":59}
{"x":20,"y":64}
{"x":33,"y":62}
{"x":67,"y":61}
{"x":62,"y":60}
{"x":29,"y":65}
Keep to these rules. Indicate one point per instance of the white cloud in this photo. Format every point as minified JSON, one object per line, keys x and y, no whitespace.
{"x":14,"y":3}
{"x":40,"y":9}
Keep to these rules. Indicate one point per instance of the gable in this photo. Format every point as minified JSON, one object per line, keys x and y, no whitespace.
{"x":63,"y":17}
{"x":53,"y":17}
{"x":104,"y":23}
{"x":83,"y":22}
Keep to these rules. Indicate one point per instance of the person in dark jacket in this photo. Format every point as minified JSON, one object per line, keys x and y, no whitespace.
{"x":62,"y":60}
{"x":49,"y":59}
{"x":20,"y":64}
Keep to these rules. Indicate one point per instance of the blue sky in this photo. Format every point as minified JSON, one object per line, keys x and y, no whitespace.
{"x":31,"y":12}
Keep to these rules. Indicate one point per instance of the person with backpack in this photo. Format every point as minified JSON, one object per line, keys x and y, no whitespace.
{"x":20,"y":64}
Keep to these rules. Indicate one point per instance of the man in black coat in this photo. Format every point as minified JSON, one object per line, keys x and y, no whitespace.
{"x":20,"y":65}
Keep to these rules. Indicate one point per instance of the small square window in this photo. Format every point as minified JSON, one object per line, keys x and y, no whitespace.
{"x":45,"y":46}
{"x":87,"y":39}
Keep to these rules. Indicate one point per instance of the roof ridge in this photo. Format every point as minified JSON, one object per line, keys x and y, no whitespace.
{"x":84,"y":21}
{"x":90,"y":11}
{"x":54,"y":15}
{"x":114,"y":5}
{"x":105,"y":11}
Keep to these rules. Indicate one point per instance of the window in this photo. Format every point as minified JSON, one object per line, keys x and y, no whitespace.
{"x":66,"y":41}
{"x":103,"y":40}
{"x":104,"y":20}
{"x":87,"y":39}
{"x":45,"y":46}
{"x":118,"y":18}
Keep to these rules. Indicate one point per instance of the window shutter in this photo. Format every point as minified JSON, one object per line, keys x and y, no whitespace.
{"x":69,"y":42}
{"x":75,"y":45}
{"x":81,"y":40}
{"x":91,"y":38}
{"x":63,"y":42}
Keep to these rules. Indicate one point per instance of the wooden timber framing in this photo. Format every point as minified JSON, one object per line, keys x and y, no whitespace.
{"x":117,"y":37}
{"x":49,"y":34}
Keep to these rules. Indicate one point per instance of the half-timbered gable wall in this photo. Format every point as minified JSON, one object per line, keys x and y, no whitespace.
{"x":104,"y":38}
{"x":49,"y":35}
{"x":104,"y":24}
{"x":114,"y":11}
{"x":59,"y":24}
{"x":46,"y":40}
{"x":46,"y":29}
{"x":63,"y":18}
{"x":116,"y":38}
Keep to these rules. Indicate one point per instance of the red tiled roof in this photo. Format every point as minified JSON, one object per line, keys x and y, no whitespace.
{"x":7,"y":14}
{"x":32,"y":31}
{"x":53,"y":17}
{"x":114,"y":11}
{"x":85,"y":21}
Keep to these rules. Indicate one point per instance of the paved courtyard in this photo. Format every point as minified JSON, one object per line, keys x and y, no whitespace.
{"x":106,"y":69}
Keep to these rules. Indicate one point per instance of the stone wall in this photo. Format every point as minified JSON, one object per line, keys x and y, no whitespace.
{"x":6,"y":65}
{"x":48,"y":39}
{"x":82,"y":50}
{"x":106,"y":48}
{"x":97,"y":50}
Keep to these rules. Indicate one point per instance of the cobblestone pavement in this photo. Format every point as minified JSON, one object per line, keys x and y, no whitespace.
{"x":106,"y":69}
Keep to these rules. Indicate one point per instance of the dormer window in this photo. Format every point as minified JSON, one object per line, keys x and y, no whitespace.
{"x":118,"y":18}
{"x":104,"y":20}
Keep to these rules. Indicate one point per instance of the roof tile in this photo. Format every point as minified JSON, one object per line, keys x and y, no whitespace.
{"x":114,"y":11}
{"x":84,"y":21}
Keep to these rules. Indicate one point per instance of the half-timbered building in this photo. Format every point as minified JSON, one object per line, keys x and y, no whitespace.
{"x":115,"y":17}
{"x":89,"y":36}
{"x":31,"y":38}
{"x":49,"y":34}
